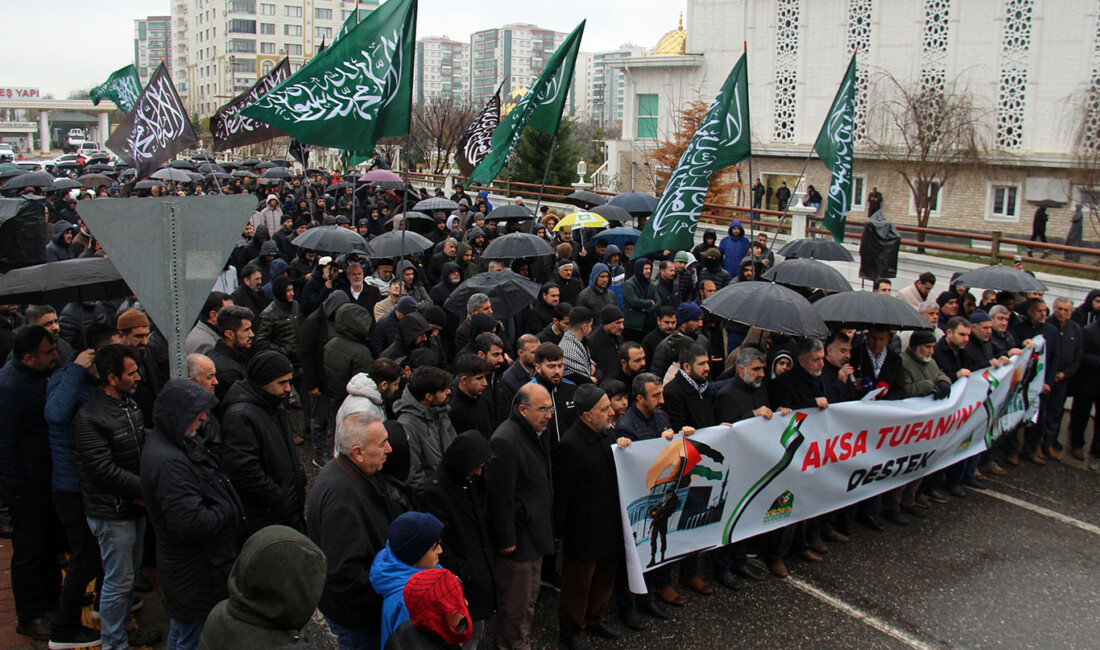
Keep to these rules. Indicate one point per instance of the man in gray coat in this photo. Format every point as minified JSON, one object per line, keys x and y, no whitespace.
{"x":422,"y":409}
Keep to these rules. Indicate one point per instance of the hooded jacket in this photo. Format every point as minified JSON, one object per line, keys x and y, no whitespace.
{"x":388,"y":576}
{"x":640,"y":300}
{"x":268,"y":216}
{"x":24,"y":445}
{"x":733,"y":248}
{"x":57,"y":250}
{"x":190,"y":503}
{"x":280,"y":329}
{"x":430,"y":432}
{"x":317,"y":330}
{"x":710,"y":240}
{"x":347,"y":353}
{"x":470,"y":269}
{"x":458,"y":500}
{"x":618,"y":271}
{"x":68,"y":389}
{"x":259,"y":456}
{"x":441,"y":291}
{"x":314,"y":292}
{"x":412,"y":326}
{"x":1083,"y":314}
{"x":274,"y":588}
{"x":278,"y":267}
{"x":594,"y":298}
{"x":363,"y":396}
{"x":268,"y":248}
{"x":417,"y":289}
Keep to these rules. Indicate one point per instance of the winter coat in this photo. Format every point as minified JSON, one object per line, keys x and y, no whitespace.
{"x":201,"y":338}
{"x":586,"y":495}
{"x":473,"y":413}
{"x":417,"y":289}
{"x":349,"y":519}
{"x":68,"y":389}
{"x":254,"y":300}
{"x":317,"y":330}
{"x":24,"y":441}
{"x":412,"y":326}
{"x":1087,"y":379}
{"x":229,"y":365}
{"x":733,"y":248}
{"x":796,"y":388}
{"x":280,"y":330}
{"x":430,"y":433}
{"x":521,"y":496}
{"x":273,"y":591}
{"x":314,"y":292}
{"x":77,"y":317}
{"x":594,"y":298}
{"x":258,"y":455}
{"x":1072,"y":347}
{"x":278,"y":268}
{"x":107,"y":438}
{"x":191,"y":505}
{"x":57,"y":250}
{"x":269,"y":217}
{"x":1083,"y":314}
{"x":388,"y":576}
{"x":688,"y":407}
{"x":459,"y":501}
{"x":347,"y":353}
{"x":920,"y":376}
{"x":891,"y":372}
{"x":737,"y":401}
{"x":640,"y":300}
{"x":441,"y":291}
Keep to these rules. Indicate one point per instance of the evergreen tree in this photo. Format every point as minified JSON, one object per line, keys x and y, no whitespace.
{"x":528,"y":160}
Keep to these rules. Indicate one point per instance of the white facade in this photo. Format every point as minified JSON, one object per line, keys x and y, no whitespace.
{"x":518,"y":51}
{"x":442,"y":69}
{"x":152,"y":44}
{"x":606,"y":85}
{"x":223,"y":46}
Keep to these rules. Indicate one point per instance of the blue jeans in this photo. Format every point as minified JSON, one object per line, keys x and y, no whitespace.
{"x":120,"y":547}
{"x":184,"y":635}
{"x":352,"y":639}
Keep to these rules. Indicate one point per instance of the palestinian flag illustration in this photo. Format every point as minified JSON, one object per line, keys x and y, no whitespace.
{"x":790,"y":440}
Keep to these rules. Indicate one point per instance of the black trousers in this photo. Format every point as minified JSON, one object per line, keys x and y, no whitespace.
{"x":84,"y":561}
{"x":35,"y":542}
{"x":1079,"y":420}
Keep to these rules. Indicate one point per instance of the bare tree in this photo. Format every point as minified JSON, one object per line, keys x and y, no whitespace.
{"x":928,"y":131}
{"x":438,"y":125}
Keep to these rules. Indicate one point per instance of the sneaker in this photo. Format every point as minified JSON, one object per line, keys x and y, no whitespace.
{"x":76,"y":637}
{"x":319,"y":462}
{"x":144,"y":637}
{"x":1094,"y":464}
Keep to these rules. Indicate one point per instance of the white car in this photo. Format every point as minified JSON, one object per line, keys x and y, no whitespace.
{"x":76,"y":137}
{"x":28,"y":165}
{"x":7,"y":154}
{"x":88,"y":148}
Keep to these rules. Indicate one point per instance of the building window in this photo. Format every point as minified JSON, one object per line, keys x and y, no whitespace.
{"x":294,"y":49}
{"x":242,"y":26}
{"x":267,"y":9}
{"x":292,"y":12}
{"x":647,"y":116}
{"x":247,"y":66}
{"x":267,"y":48}
{"x":292,"y":30}
{"x":322,"y":32}
{"x":267,"y":28}
{"x":786,"y":69}
{"x":937,"y":197}
{"x":242,"y":45}
{"x":322,"y":14}
{"x":859,"y":36}
{"x":268,"y":65}
{"x":1003,"y":202}
{"x":1015,"y":46}
{"x":937,"y":13}
{"x":242,"y":6}
{"x":859,"y":192}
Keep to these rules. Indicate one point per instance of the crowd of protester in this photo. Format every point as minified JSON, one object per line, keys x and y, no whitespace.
{"x":464,"y":462}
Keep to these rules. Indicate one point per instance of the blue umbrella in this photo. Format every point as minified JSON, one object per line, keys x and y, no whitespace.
{"x":618,"y":236}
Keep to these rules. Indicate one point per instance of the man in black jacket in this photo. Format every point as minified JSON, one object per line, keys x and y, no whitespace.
{"x":108,"y":434}
{"x":837,"y":373}
{"x":875,"y":361}
{"x":456,"y":495}
{"x":350,"y":510}
{"x":469,"y":407}
{"x":1033,"y":324}
{"x":520,"y":504}
{"x":518,"y":374}
{"x":746,"y":396}
{"x":586,"y":502}
{"x":250,"y":294}
{"x":1086,"y":397}
{"x":605,"y":339}
{"x":539,"y":315}
{"x":317,"y":329}
{"x":193,"y":509}
{"x":233,"y":350}
{"x":801,"y":387}
{"x":1072,"y":345}
{"x":550,"y":374}
{"x":258,"y":451}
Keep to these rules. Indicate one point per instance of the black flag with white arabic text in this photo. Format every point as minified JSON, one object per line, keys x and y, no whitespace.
{"x":157,"y":129}
{"x":476,"y":144}
{"x":231,"y":129}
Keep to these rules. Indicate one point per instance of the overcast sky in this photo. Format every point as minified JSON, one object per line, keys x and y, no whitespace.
{"x":80,"y":43}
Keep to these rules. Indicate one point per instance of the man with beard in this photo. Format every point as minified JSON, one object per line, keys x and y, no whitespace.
{"x":631,"y":362}
{"x":250,"y":294}
{"x":451,"y":276}
{"x":233,"y":349}
{"x":666,"y":324}
{"x":413,"y":335}
{"x":550,"y":374}
{"x":689,"y":316}
{"x":134,"y":328}
{"x":604,"y":341}
{"x":596,"y":295}
{"x":667,"y":286}
{"x":45,"y":316}
{"x":519,"y":373}
{"x":107,"y":439}
{"x":746,"y":396}
{"x":875,"y":361}
{"x":422,"y":409}
{"x":469,"y":408}
{"x":438,"y":261}
{"x":553,"y":332}
{"x":539,"y":315}
{"x":359,"y":292}
{"x":837,"y":373}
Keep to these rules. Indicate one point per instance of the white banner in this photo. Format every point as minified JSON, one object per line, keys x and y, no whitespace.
{"x":725,"y":484}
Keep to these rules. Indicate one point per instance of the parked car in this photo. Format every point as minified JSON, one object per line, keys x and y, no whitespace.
{"x":7,"y":153}
{"x":28,"y":165}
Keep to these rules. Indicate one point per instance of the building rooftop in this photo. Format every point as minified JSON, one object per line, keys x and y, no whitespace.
{"x":673,"y":43}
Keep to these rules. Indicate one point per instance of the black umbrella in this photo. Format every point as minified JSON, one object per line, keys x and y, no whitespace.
{"x":635,"y":203}
{"x":196,"y":177}
{"x":244,"y":173}
{"x":510,"y":212}
{"x":86,"y":279}
{"x":768,"y":306}
{"x":31,"y":179}
{"x":612,"y":213}
{"x":398,"y":244}
{"x":417,"y":221}
{"x":330,"y":239}
{"x":172,"y":174}
{"x":314,"y":171}
{"x":999,"y":278}
{"x":281,"y":162}
{"x":11,"y":173}
{"x":516,"y":245}
{"x":262,"y":165}
{"x":203,"y":156}
{"x":509,"y":292}
{"x":278,"y":172}
{"x":435,"y":203}
{"x":862,"y":309}
{"x":148,"y":185}
{"x":63,"y":184}
{"x":808,"y":273}
{"x":210,"y":168}
{"x":182,"y":164}
{"x":100,"y":168}
{"x":818,"y":249}
{"x":250,"y":162}
{"x":584,"y":199}
{"x":1047,"y":203}
{"x":336,"y":187}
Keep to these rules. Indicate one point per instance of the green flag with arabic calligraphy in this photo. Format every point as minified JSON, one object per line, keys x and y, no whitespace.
{"x":834,"y":145}
{"x":122,"y":88}
{"x":356,"y":91}
{"x":540,"y":108}
{"x":723,"y":139}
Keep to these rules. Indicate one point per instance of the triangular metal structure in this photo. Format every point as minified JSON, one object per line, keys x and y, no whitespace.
{"x":170,"y":251}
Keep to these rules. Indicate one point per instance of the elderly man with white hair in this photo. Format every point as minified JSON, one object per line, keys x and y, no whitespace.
{"x":350,"y":510}
{"x":930,"y":310}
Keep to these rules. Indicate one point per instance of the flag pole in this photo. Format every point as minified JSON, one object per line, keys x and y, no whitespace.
{"x":545,"y":173}
{"x":408,"y":150}
{"x":752,"y":196}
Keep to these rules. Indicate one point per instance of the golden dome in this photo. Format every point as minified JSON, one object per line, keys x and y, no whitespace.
{"x":673,"y":43}
{"x":512,"y":98}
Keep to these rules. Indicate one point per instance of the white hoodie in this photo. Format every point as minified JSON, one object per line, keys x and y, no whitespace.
{"x":363,"y":396}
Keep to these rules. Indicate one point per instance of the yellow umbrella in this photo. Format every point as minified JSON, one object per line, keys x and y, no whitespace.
{"x":582,"y":220}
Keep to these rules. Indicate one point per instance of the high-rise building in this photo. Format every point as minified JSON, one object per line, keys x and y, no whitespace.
{"x":517,"y":51}
{"x":442,"y":69}
{"x":152,"y":44}
{"x":606,"y":84}
{"x":222,"y":47}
